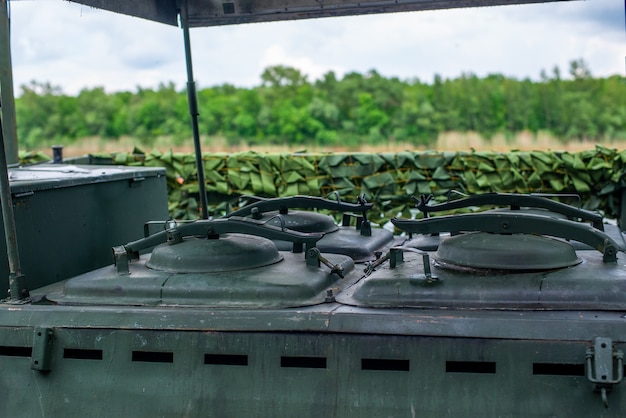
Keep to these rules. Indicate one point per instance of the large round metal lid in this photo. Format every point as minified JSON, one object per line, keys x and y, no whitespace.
{"x":229,"y":252}
{"x":302,"y":221}
{"x":481,"y":250}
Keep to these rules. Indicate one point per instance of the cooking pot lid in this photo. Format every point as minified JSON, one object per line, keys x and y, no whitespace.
{"x":481,"y":250}
{"x":302,"y":221}
{"x":229,"y":252}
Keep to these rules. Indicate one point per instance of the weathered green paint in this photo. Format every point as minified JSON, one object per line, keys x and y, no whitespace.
{"x":68,"y":217}
{"x":292,"y":338}
{"x":111,"y":372}
{"x":360,"y":242}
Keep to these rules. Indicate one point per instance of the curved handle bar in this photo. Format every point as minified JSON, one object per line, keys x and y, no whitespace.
{"x":224,"y":226}
{"x":515,"y":223}
{"x":516,"y":201}
{"x":301,"y":202}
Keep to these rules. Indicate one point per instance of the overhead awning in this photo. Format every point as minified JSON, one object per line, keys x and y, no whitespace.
{"x":226,"y":12}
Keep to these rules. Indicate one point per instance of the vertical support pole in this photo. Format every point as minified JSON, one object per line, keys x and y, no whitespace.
{"x":6,"y":87}
{"x":193,"y":109}
{"x":622,"y":215}
{"x":17,"y":281}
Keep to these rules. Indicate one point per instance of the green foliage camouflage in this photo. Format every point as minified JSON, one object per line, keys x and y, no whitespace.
{"x":389,"y":180}
{"x":32,"y":157}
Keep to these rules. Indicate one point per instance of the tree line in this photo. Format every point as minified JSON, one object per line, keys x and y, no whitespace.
{"x":287,"y":108}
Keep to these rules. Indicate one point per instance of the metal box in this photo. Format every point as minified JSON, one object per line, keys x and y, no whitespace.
{"x":69,"y":216}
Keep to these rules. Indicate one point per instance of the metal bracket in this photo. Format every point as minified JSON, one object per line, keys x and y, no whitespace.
{"x":396,"y":256}
{"x":428,"y":275}
{"x":42,"y":347}
{"x":604,"y":366}
{"x":314,"y":258}
{"x":136,"y":181}
{"x":173,"y":236}
{"x":120,"y":256}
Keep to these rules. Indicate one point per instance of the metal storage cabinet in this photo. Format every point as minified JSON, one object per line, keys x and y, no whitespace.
{"x":69,"y":216}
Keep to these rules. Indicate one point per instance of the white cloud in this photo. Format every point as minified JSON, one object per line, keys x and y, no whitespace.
{"x":278,"y":55}
{"x":76,"y":47}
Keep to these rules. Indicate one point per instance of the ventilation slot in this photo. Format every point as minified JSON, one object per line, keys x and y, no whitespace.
{"x":303,"y":362}
{"x":558,"y":369}
{"x":385,"y":364}
{"x":82,"y":354}
{"x":481,"y":367}
{"x":226,"y":359}
{"x":16,"y":351}
{"x":153,"y":356}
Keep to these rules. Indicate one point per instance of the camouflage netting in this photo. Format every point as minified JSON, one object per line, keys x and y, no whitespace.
{"x":387,"y":179}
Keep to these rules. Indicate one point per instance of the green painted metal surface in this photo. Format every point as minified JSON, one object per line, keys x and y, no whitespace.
{"x":233,"y":374}
{"x":68,"y":217}
{"x":304,"y":333}
{"x":287,"y":283}
{"x":358,"y":241}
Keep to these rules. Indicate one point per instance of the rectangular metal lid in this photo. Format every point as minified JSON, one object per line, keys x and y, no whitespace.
{"x":51,"y":176}
{"x":591,"y":285}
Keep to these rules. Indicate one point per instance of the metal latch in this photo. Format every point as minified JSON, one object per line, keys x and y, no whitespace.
{"x":136,"y":181}
{"x":604,"y":366}
{"x":314,"y":258}
{"x":42,"y":349}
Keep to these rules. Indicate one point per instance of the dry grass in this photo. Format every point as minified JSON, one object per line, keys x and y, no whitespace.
{"x":449,"y":141}
{"x":525,"y":141}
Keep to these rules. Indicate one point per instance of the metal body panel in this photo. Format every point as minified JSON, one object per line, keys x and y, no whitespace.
{"x":328,"y":317}
{"x":374,"y":355}
{"x":233,"y":374}
{"x":350,"y":242}
{"x":162,"y":11}
{"x":214,"y":13}
{"x":301,"y":221}
{"x":360,"y":242}
{"x":390,"y":338}
{"x":592,"y":285}
{"x":328,"y":359}
{"x":287,"y":283}
{"x":68,"y":217}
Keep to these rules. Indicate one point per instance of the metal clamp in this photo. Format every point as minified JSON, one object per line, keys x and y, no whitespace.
{"x":42,"y":349}
{"x":396,"y":257}
{"x":604,"y":367}
{"x":314,"y":258}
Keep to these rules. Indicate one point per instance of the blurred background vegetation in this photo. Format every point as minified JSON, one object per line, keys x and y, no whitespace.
{"x":288,"y":110}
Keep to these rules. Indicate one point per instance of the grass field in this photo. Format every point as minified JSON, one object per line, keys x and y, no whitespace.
{"x":451,"y":141}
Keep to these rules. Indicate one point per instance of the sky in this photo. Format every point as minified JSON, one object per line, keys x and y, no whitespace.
{"x":76,"y":47}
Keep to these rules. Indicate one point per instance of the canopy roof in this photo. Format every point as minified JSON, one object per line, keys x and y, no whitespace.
{"x":227,"y":12}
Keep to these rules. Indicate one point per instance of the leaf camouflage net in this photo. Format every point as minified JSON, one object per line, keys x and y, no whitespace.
{"x":389,"y":180}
